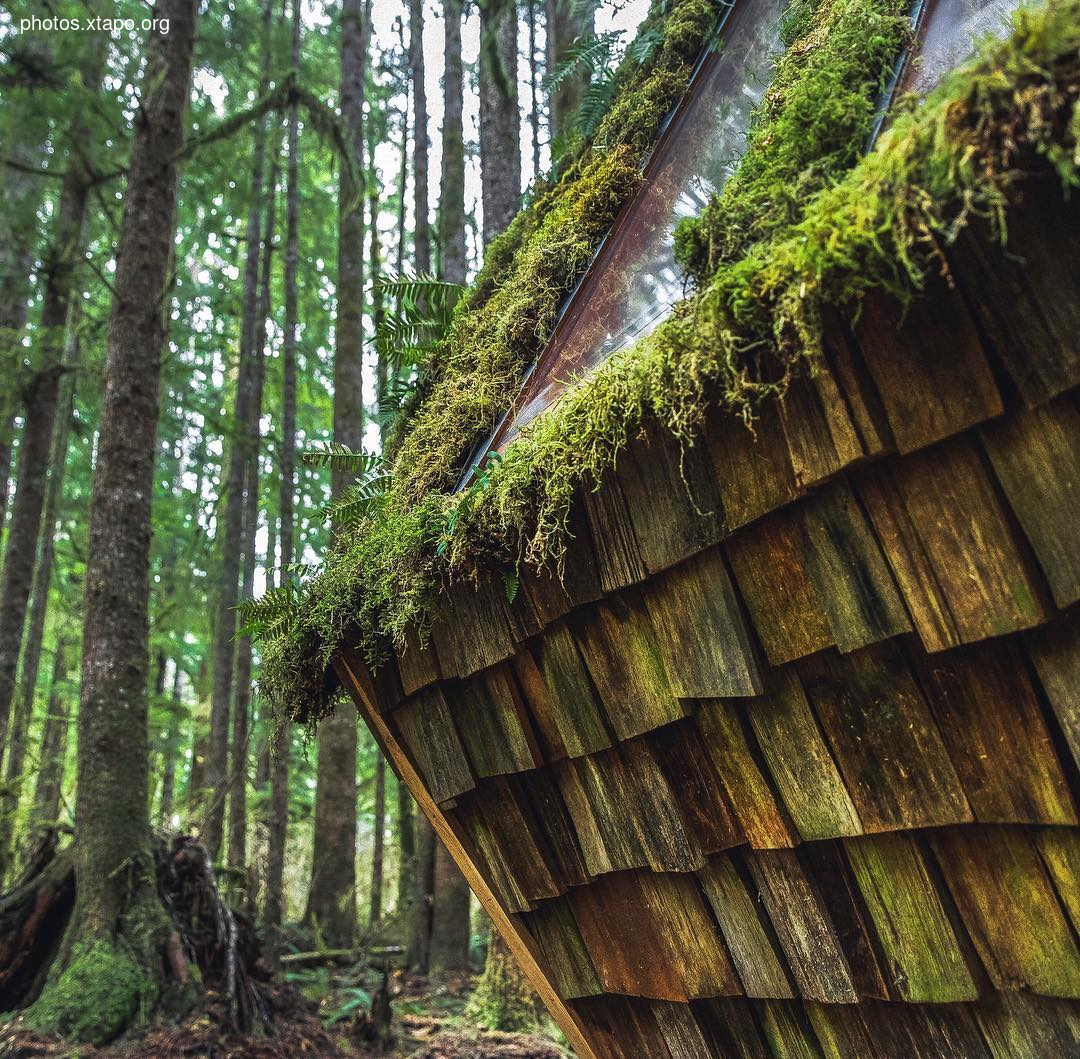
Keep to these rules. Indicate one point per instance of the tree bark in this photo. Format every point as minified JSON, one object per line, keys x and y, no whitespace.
{"x":39,"y":605}
{"x":119,"y":924}
{"x":273,"y":908}
{"x":232,"y":532}
{"x":418,"y":956}
{"x":171,"y":750}
{"x":534,"y":90}
{"x":406,"y":847}
{"x":237,"y":856}
{"x":566,"y":21}
{"x":332,"y":896}
{"x":452,"y":198}
{"x":421,"y":224}
{"x":20,"y":194}
{"x":500,"y":132}
{"x":450,"y":925}
{"x":42,"y":398}
{"x":503,"y":999}
{"x":375,"y":908}
{"x":54,"y":741}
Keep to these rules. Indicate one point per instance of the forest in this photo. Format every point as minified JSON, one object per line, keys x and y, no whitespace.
{"x":540,"y":529}
{"x":230,"y":232}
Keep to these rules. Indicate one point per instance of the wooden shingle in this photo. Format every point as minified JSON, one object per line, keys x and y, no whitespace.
{"x":625,"y":813}
{"x":417,"y":663}
{"x":622,"y":652}
{"x":989,"y":716}
{"x":1026,"y":295}
{"x":803,"y":925}
{"x":701,"y":634}
{"x":928,"y":364}
{"x":926,"y":963}
{"x":854,"y":586}
{"x":963,"y":571}
{"x":553,"y":926}
{"x":567,"y":700}
{"x":752,"y":468}
{"x":671,"y":498}
{"x":650,"y":935}
{"x":1055,"y":651}
{"x":618,"y":557}
{"x":689,"y":770}
{"x":801,"y":764}
{"x":746,"y":930}
{"x":428,"y":732}
{"x":490,"y":722}
{"x":1010,"y":909}
{"x":1036,"y":456}
{"x":759,"y":811}
{"x":769,"y":562}
{"x":884,"y":739}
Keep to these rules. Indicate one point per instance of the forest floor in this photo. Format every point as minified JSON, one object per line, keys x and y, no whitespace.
{"x":317,"y":1013}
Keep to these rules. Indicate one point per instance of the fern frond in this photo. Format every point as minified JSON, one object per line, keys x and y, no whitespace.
{"x":340,"y":457}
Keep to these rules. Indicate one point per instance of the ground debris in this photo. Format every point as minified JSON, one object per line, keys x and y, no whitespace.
{"x":489,"y":1046}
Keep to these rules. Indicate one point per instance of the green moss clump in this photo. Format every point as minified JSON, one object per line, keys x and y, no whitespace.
{"x":98,"y":995}
{"x":811,"y":128}
{"x":764,"y":275}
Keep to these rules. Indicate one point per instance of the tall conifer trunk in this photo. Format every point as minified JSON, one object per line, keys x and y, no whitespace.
{"x":246,"y":416}
{"x":273,"y":908}
{"x":54,"y":741}
{"x":41,"y":400}
{"x":120,"y":932}
{"x":500,"y":122}
{"x":35,"y":633}
{"x":332,"y":895}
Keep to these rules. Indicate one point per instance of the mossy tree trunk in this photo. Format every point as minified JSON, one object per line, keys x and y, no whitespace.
{"x":450,"y":917}
{"x":503,"y":998}
{"x":113,"y":966}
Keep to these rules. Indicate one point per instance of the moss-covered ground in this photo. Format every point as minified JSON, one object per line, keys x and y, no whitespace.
{"x":808,"y":220}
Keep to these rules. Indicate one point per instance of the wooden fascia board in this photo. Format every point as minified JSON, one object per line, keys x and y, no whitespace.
{"x":520,"y":944}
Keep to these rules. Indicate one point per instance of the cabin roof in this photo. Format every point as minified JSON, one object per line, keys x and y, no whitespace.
{"x":860,"y":231}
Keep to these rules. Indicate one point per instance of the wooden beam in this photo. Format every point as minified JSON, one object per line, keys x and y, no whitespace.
{"x":521,"y":945}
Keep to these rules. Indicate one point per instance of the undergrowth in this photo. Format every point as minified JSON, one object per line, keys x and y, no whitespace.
{"x":806,"y":222}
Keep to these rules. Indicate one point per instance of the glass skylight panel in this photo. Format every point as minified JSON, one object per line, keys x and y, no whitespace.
{"x":634,"y":281}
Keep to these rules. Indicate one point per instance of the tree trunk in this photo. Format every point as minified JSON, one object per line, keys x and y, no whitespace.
{"x":332,"y":897}
{"x":534,"y":90}
{"x":418,"y":956}
{"x":452,"y":199}
{"x":375,"y":909}
{"x":274,"y":905}
{"x":566,"y":21}
{"x":421,"y":225}
{"x":119,"y":932}
{"x":54,"y":741}
{"x":232,"y":531}
{"x":450,"y":916}
{"x":406,"y":847}
{"x":503,"y":999}
{"x":42,"y":398}
{"x":170,"y":751}
{"x":500,"y":132}
{"x":39,"y":605}
{"x":238,"y":776}
{"x":20,"y":193}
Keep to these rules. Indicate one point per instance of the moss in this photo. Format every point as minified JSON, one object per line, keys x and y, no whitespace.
{"x":503,"y":999}
{"x":764,"y":274}
{"x":811,"y":128}
{"x":99,"y":994}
